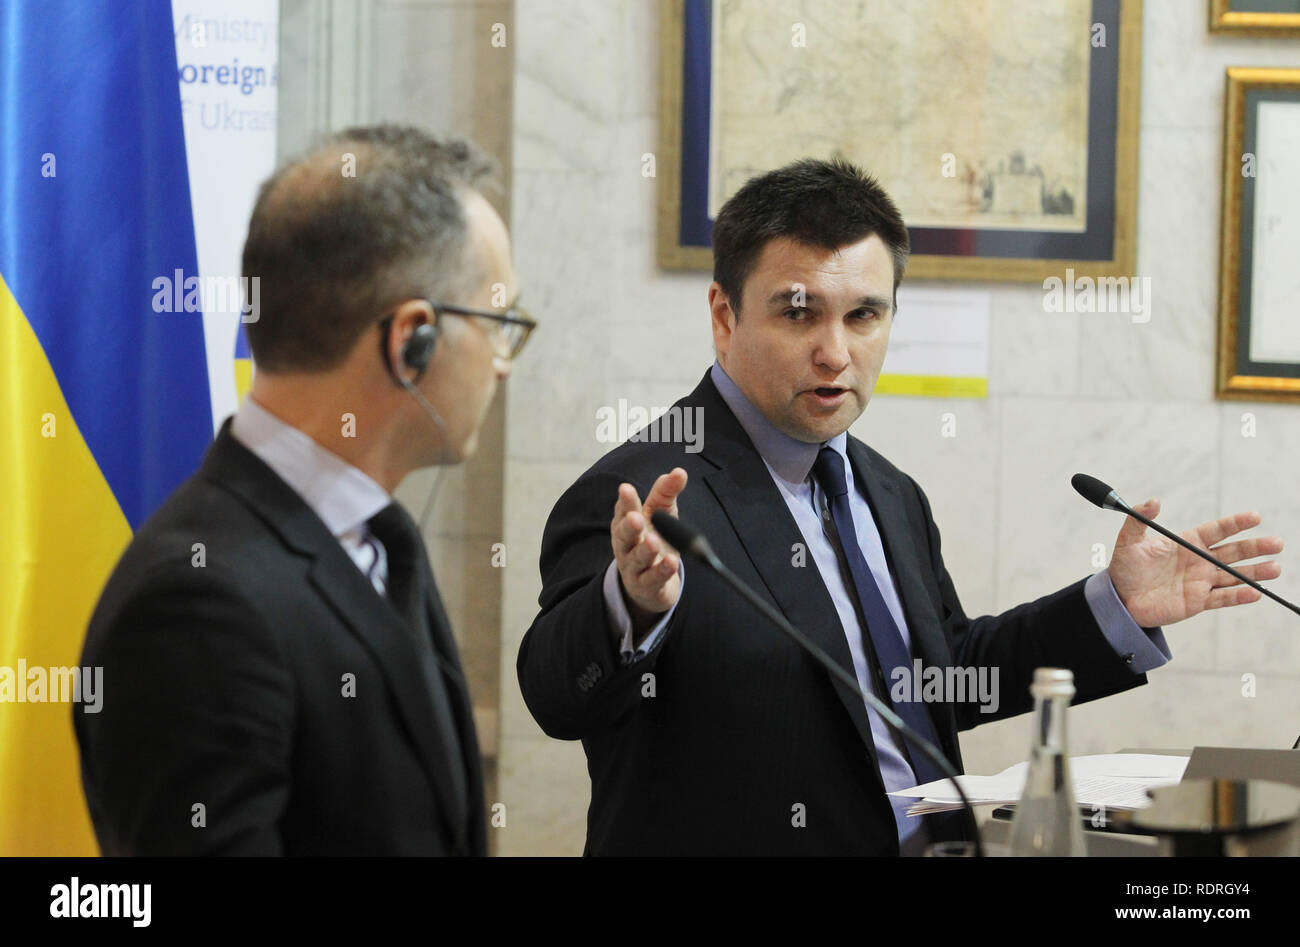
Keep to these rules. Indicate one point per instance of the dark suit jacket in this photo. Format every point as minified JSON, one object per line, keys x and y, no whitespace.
{"x":742,"y":725}
{"x":224,"y":685}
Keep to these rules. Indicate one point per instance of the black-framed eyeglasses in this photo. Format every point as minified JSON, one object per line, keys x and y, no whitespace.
{"x":508,"y":336}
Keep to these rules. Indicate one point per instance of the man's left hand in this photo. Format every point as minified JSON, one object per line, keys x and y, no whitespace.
{"x":1160,"y":582}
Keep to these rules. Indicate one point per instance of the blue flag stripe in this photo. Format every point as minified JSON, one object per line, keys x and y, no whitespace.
{"x":93,"y":86}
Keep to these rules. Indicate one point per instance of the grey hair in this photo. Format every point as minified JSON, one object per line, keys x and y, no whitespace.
{"x":365,"y":219}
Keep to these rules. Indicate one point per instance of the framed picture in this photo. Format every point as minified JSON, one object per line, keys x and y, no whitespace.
{"x":1006,"y":131}
{"x":1259,"y":283}
{"x":1255,"y":17}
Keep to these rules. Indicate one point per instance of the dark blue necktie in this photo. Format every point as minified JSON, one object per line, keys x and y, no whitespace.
{"x":885,"y":637}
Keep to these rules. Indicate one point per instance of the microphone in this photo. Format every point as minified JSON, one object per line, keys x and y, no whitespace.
{"x":1098,"y":493}
{"x":1101,"y":494}
{"x":690,"y":542}
{"x":686,"y":539}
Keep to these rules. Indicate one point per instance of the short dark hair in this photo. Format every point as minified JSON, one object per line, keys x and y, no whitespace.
{"x":365,"y":219}
{"x":826,"y":204}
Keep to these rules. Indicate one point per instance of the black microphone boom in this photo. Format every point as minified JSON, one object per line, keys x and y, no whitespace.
{"x":1101,"y":494}
{"x":691,"y":542}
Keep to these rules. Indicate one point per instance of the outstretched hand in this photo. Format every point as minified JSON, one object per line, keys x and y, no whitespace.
{"x":1160,"y":582}
{"x":647,"y":566}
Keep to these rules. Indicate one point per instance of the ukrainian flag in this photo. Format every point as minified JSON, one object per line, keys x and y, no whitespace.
{"x":104,"y":403}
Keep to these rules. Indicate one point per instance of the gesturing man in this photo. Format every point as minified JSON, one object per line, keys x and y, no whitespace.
{"x":283,"y":675}
{"x":708,"y":732}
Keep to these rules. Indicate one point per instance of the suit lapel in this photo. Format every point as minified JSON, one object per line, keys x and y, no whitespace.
{"x":463,"y":706}
{"x":444,"y":643}
{"x":905,"y":565}
{"x":341,"y":584}
{"x":379,"y":628}
{"x":752,"y":503}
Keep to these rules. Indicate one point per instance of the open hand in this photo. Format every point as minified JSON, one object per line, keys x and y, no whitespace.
{"x":646,"y":566}
{"x":1160,"y":582}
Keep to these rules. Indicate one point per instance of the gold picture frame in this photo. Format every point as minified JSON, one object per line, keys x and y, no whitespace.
{"x":1223,"y":19}
{"x":1118,"y":233}
{"x":1240,"y":375}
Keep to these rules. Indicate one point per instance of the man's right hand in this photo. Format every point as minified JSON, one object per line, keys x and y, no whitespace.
{"x":647,"y":568}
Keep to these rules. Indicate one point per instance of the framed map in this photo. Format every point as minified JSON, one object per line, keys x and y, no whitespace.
{"x":1006,"y":130}
{"x":1259,"y":283}
{"x":1255,"y":17}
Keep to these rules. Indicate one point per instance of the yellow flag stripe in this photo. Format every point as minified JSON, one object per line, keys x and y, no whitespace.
{"x":60,"y":537}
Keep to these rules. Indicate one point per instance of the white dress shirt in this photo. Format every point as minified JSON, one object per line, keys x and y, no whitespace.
{"x":341,"y":495}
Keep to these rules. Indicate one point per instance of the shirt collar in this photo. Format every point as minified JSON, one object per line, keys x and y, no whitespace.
{"x":789,"y":459}
{"x":340,"y":494}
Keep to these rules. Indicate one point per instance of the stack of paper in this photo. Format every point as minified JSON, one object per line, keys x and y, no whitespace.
{"x":1110,"y":780}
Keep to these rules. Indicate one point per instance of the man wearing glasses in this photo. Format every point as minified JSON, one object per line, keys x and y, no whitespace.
{"x":281,"y":677}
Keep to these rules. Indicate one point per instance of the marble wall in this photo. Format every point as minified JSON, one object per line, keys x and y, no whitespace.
{"x":1132,"y":403}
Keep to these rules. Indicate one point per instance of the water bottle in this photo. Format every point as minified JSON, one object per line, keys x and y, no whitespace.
{"x":1047,"y":822}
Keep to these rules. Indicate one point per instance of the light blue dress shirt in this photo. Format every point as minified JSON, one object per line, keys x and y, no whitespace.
{"x":790,"y":464}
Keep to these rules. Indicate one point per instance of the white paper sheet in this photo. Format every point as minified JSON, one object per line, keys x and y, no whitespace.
{"x":1112,"y":780}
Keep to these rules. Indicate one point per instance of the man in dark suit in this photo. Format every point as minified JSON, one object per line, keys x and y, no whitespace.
{"x":281,"y":677}
{"x":706,"y":730}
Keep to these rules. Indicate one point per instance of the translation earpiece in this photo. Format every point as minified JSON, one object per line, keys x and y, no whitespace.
{"x":418,"y":349}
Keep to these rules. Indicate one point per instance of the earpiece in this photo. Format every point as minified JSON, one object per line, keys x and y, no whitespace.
{"x":418,"y":349}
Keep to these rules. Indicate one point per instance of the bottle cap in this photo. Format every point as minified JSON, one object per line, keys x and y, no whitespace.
{"x":1052,"y":682}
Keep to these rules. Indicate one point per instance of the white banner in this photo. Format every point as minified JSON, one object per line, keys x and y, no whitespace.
{"x":227,"y":56}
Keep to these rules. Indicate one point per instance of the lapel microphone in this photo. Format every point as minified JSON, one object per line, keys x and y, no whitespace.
{"x":690,"y":542}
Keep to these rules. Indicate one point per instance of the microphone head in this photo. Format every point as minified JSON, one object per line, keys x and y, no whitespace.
{"x":1096,"y":492}
{"x":687,"y":540}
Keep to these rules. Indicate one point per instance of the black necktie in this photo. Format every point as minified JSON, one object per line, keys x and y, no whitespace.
{"x":408,"y":568}
{"x":885,"y":638}
{"x":410,"y":586}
